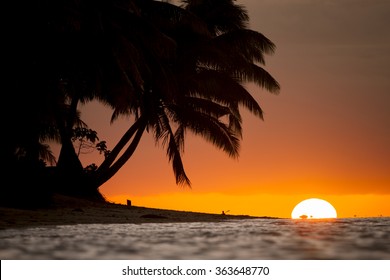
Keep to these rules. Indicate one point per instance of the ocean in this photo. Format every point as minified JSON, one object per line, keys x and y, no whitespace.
{"x":251,"y":239}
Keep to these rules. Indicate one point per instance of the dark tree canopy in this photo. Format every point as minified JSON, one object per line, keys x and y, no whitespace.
{"x":172,"y":68}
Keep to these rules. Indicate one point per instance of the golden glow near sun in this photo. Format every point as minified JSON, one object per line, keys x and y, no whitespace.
{"x":314,"y":208}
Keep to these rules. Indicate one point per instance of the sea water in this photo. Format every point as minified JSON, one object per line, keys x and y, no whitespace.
{"x":280,"y":239}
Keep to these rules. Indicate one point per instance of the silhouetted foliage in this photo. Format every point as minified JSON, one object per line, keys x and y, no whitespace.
{"x":86,"y":141}
{"x":172,"y":68}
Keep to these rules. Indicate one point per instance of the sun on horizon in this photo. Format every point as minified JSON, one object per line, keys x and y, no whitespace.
{"x":314,"y":208}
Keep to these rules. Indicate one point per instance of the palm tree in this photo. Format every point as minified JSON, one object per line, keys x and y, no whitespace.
{"x":78,"y":51}
{"x":101,"y":50}
{"x":213,"y":59}
{"x":173,"y":68}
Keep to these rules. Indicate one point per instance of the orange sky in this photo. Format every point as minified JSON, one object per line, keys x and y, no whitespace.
{"x":325,"y":135}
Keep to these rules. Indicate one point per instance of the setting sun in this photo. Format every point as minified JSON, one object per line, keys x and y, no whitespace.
{"x":313,"y":208}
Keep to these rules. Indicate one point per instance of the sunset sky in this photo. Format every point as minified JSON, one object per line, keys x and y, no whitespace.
{"x":326,"y":135}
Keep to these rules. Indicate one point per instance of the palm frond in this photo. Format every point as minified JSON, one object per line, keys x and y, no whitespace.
{"x":165,"y":133}
{"x":207,"y":106}
{"x":233,"y":17}
{"x":212,"y":130}
{"x":46,"y":154}
{"x":173,"y":19}
{"x":249,"y":44}
{"x":258,"y":75}
{"x":220,"y":87}
{"x":179,"y":138}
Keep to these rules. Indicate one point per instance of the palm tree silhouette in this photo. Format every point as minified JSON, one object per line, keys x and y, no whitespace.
{"x":212,"y":61}
{"x":173,"y":68}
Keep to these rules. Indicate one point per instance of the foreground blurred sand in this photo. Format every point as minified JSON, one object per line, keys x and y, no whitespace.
{"x":69,"y":211}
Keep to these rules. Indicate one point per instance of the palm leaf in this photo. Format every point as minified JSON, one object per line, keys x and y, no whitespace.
{"x":249,"y":44}
{"x":223,"y":89}
{"x":233,"y":16}
{"x":212,"y":130}
{"x":172,"y":19}
{"x":258,"y":75}
{"x":164,"y":132}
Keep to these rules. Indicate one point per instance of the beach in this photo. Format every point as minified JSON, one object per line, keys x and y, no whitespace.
{"x":66,"y":210}
{"x":73,"y":228}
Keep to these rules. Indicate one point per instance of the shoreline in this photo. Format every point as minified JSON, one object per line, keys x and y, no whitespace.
{"x":71,"y":211}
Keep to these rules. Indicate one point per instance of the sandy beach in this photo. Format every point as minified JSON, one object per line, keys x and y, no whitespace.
{"x":69,"y":211}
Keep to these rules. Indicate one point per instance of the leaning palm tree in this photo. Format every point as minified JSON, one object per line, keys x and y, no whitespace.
{"x":105,"y":51}
{"x":205,"y":91}
{"x":78,"y":51}
{"x":174,"y":68}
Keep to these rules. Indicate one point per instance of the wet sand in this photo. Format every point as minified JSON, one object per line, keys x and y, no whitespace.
{"x":70,"y":211}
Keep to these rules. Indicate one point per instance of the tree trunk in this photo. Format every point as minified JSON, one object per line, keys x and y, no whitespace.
{"x":69,"y":171}
{"x":106,"y":174}
{"x":120,"y":145}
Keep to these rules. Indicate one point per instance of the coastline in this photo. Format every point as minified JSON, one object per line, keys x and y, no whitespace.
{"x":71,"y":211}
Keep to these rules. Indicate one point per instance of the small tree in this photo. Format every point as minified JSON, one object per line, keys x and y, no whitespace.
{"x":86,"y":141}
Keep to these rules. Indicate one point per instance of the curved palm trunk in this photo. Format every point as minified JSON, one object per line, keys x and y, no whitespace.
{"x":106,"y":171}
{"x":120,"y":145}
